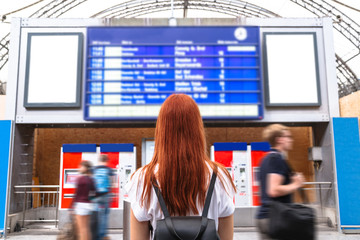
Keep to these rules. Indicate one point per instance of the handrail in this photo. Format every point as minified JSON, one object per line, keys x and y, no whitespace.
{"x":25,"y":189}
{"x":319,"y":188}
{"x":319,"y":185}
{"x":37,"y":186}
{"x":313,"y":183}
{"x":36,"y":191}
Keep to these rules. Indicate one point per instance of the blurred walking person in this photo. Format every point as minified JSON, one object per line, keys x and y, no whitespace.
{"x":102,"y":175}
{"x":277,"y":181}
{"x":82,"y":206}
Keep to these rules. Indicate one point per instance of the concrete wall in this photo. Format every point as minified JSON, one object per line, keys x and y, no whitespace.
{"x":22,"y":165}
{"x":322,"y":27}
{"x":2,"y":106}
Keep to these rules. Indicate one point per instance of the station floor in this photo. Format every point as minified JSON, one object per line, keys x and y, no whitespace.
{"x":239,"y":234}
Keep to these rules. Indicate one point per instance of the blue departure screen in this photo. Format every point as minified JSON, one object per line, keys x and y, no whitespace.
{"x":132,"y":70}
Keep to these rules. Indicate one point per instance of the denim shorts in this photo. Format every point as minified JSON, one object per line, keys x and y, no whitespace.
{"x":82,"y":208}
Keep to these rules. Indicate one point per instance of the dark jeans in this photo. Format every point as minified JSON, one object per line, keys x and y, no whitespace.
{"x":103,"y":215}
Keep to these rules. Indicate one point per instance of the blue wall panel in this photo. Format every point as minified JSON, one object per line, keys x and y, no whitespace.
{"x":230,"y":146}
{"x":116,"y":147}
{"x":5,"y":138}
{"x":347,"y":153}
{"x":260,"y":146}
{"x":74,"y":148}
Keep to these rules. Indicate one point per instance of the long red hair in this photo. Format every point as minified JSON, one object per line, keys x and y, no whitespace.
{"x":181,"y":157}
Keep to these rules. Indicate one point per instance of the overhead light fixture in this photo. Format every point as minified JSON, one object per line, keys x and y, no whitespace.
{"x":172,"y":22}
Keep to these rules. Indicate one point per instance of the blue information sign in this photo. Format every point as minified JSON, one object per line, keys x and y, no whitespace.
{"x":132,"y":70}
{"x":347,"y":155}
{"x":5,"y":139}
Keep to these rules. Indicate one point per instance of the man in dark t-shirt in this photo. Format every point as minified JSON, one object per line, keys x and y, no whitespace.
{"x":273,"y":163}
{"x":277,"y":182}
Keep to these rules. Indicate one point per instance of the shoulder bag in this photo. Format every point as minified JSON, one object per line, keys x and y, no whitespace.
{"x":186,"y":227}
{"x":291,"y":221}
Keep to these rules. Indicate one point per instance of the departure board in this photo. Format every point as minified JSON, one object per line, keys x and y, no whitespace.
{"x":132,"y":70}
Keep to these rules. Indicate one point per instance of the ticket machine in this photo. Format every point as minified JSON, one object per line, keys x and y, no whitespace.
{"x":71,"y":156}
{"x":236,"y":159}
{"x":122,"y":159}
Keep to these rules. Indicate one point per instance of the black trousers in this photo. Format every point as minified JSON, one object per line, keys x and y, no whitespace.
{"x":263,"y":229}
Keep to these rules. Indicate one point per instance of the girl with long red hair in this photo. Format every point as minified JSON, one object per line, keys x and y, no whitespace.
{"x":182,"y":169}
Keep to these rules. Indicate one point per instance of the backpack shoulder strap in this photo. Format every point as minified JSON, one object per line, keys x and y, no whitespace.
{"x":209,"y":195}
{"x":161,"y":199}
{"x":168,"y":222}
{"x":204,"y":219}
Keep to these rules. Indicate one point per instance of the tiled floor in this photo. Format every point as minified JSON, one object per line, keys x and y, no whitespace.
{"x":240,"y":234}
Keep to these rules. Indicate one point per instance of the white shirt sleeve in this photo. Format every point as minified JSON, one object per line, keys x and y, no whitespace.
{"x":226,"y":199}
{"x":134,"y":189}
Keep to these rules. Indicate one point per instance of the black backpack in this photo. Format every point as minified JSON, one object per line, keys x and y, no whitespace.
{"x":186,"y":227}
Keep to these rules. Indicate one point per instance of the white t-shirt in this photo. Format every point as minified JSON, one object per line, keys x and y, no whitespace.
{"x":221,"y":205}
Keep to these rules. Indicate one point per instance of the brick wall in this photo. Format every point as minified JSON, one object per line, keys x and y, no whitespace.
{"x":2,"y":106}
{"x":350,"y":105}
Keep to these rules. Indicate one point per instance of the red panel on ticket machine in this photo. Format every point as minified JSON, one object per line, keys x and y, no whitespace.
{"x":234,"y":157}
{"x":258,"y":151}
{"x":71,"y":156}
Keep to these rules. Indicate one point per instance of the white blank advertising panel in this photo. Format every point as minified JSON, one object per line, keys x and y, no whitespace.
{"x":291,"y":69}
{"x":53,"y":70}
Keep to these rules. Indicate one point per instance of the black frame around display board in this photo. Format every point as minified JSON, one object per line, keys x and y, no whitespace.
{"x":291,"y":69}
{"x":53,"y":70}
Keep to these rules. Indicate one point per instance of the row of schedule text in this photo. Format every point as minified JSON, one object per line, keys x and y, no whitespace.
{"x":177,"y":86}
{"x":192,"y":50}
{"x":186,"y":62}
{"x":191,"y":74}
{"x":153,"y":98}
